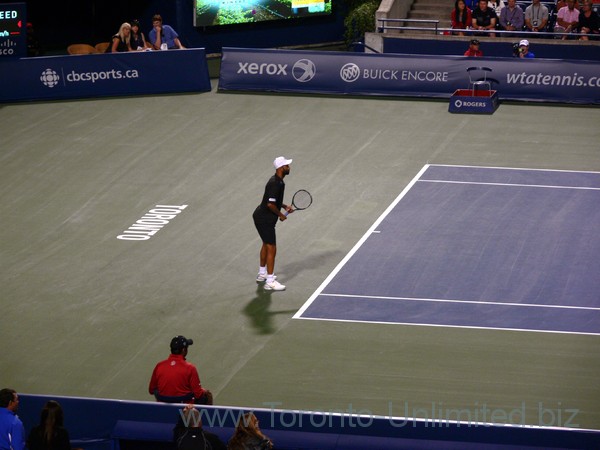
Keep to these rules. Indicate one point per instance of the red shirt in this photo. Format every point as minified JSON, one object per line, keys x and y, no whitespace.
{"x":175,"y":377}
{"x":471,"y":52}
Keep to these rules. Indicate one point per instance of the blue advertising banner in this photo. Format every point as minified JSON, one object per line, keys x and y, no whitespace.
{"x":110,"y":74}
{"x":13,"y":30}
{"x":542,"y":80}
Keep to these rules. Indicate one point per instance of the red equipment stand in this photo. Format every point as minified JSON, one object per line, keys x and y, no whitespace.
{"x":473,"y":101}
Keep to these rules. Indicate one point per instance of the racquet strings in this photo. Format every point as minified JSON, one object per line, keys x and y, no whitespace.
{"x":302,"y":199}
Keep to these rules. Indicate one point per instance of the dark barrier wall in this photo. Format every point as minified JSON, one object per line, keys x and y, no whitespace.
{"x":571,"y":50}
{"x":60,"y":23}
{"x":540,"y":80}
{"x":99,"y":424}
{"x":109,"y":74}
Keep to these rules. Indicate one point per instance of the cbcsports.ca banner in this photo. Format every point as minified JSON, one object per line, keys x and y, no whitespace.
{"x":407,"y":75}
{"x":109,"y":74}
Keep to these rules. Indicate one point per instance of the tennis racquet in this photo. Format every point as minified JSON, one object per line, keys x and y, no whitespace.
{"x":301,"y":200}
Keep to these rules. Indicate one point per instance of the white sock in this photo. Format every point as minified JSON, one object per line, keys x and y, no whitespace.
{"x":270,"y":278}
{"x":262,"y":270}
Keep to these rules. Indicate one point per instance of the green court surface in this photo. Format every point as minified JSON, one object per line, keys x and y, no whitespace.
{"x":87,"y":314}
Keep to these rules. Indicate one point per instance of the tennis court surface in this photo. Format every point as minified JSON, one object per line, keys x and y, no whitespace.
{"x":476,"y":247}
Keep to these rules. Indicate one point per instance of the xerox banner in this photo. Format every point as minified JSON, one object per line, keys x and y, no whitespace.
{"x":110,"y":74}
{"x":337,"y":73}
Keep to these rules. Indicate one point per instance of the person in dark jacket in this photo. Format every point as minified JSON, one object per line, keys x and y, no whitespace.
{"x":50,"y":434}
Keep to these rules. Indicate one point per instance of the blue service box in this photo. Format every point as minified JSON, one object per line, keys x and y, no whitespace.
{"x":469,"y":101}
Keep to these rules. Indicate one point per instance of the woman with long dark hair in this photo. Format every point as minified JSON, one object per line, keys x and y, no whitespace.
{"x":50,"y":433}
{"x":460,"y":17}
{"x":247,"y":435}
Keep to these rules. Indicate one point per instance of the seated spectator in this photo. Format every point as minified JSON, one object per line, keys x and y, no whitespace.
{"x":163,"y":37}
{"x":589,"y":22}
{"x":567,"y":19}
{"x":188,"y":434}
{"x":460,"y":17}
{"x":137,"y":40}
{"x":484,"y":18}
{"x":120,"y":41}
{"x":247,"y":435}
{"x":512,"y":17}
{"x":473,"y":49}
{"x":561,"y":3}
{"x":536,"y":16}
{"x":12,"y":432}
{"x":175,"y":380}
{"x":523,"y":50}
{"x":50,"y":433}
{"x":34,"y":47}
{"x":496,"y":5}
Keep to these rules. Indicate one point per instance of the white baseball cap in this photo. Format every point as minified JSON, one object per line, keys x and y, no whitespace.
{"x":524,"y":43}
{"x":280,"y":161}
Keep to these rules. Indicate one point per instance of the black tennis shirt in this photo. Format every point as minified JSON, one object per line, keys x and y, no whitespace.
{"x":274,"y":190}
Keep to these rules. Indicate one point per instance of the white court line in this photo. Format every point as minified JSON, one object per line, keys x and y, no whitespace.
{"x":441,"y":300}
{"x":514,"y":168}
{"x":359,"y":244}
{"x":469,"y":327}
{"x":511,"y":184}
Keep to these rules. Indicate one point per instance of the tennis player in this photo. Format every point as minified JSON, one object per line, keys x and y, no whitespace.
{"x":265,"y":218}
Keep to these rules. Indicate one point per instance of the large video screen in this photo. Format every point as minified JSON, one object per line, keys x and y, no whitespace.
{"x":227,"y":12}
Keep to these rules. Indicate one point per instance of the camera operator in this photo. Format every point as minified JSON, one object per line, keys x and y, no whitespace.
{"x":521,"y":50}
{"x":536,"y":16}
{"x":511,"y":17}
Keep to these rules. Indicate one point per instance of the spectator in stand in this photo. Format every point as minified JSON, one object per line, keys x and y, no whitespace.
{"x":497,"y":6}
{"x":484,"y":18}
{"x":175,"y":380}
{"x":536,"y":17}
{"x":567,"y":19}
{"x":137,"y":40}
{"x":189,"y":434}
{"x":562,"y":3}
{"x":589,"y":22}
{"x":524,"y":50}
{"x":34,"y":47}
{"x":247,"y":435}
{"x":50,"y":433}
{"x":12,"y":433}
{"x":473,"y":49}
{"x":120,"y":41}
{"x":163,"y":37}
{"x":512,"y":17}
{"x":460,"y":17}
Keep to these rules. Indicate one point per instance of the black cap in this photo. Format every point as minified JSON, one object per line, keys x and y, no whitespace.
{"x":178,"y":343}
{"x":474,"y":42}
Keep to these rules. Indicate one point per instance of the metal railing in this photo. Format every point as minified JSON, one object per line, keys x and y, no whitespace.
{"x":382,"y":27}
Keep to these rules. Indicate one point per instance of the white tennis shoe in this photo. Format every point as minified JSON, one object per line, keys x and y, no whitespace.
{"x":274,"y":286}
{"x":263,"y":277}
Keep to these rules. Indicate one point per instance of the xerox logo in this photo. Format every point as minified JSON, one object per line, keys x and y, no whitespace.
{"x":304,"y":70}
{"x":350,"y":72}
{"x":49,"y":78}
{"x":263,"y":68}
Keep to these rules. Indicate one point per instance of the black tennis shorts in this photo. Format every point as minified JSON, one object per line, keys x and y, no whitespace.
{"x":266,"y":231}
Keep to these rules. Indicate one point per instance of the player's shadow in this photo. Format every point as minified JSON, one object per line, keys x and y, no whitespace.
{"x":293,"y":269}
{"x":259,"y":313}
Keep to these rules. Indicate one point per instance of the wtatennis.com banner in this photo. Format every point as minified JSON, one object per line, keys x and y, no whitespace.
{"x":542,"y":80}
